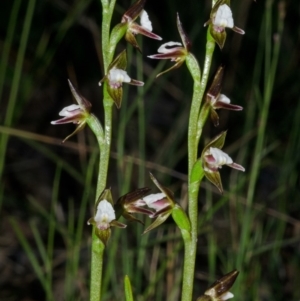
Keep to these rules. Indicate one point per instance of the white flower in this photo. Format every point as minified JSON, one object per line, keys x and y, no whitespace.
{"x":105,"y":215}
{"x":223,"y":17}
{"x":145,"y":21}
{"x":219,"y":158}
{"x":69,"y":110}
{"x":223,"y":98}
{"x":116,"y":77}
{"x":163,"y":48}
{"x":152,"y":198}
{"x":156,"y":200}
{"x":226,"y":296}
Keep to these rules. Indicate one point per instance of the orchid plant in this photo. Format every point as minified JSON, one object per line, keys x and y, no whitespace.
{"x":162,"y":204}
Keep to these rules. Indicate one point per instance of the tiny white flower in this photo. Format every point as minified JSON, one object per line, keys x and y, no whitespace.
{"x":105,"y":215}
{"x":69,"y":110}
{"x":152,"y":198}
{"x":223,"y":17}
{"x":220,"y":158}
{"x":116,"y":77}
{"x":163,"y":48}
{"x":145,"y":21}
{"x":226,"y":296}
{"x":223,"y":98}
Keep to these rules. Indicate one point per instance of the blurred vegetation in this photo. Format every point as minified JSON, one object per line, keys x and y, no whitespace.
{"x":47,"y":188}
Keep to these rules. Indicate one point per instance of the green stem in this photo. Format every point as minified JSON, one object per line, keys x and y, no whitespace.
{"x":196,"y":123}
{"x":97,"y":246}
{"x":210,"y":47}
{"x":104,"y":142}
{"x":190,"y":242}
{"x":107,"y":10}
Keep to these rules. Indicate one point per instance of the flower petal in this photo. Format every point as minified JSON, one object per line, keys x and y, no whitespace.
{"x":223,"y":98}
{"x":238,"y":30}
{"x":130,"y":38}
{"x":223,"y":17}
{"x":137,"y":29}
{"x":70,"y":110}
{"x":214,"y":177}
{"x":105,"y":212}
{"x":214,"y":117}
{"x":215,"y":87}
{"x":159,"y":220}
{"x":226,"y":296}
{"x":184,"y":38}
{"x":173,"y":55}
{"x":221,"y":158}
{"x":78,"y":128}
{"x":82,"y":102}
{"x":145,"y":21}
{"x":134,"y":11}
{"x":236,"y":166}
{"x":116,"y":77}
{"x":116,"y":95}
{"x":177,"y":65}
{"x":227,"y":106}
{"x":135,"y":82}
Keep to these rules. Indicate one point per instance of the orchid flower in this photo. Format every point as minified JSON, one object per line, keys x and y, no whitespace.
{"x":174,"y":51}
{"x":219,"y":291}
{"x":104,"y":217}
{"x":75,"y":113}
{"x":214,"y":158}
{"x":216,"y":100}
{"x":164,"y":205}
{"x":220,"y":18}
{"x":132,"y":202}
{"x":115,"y":78}
{"x":132,"y":28}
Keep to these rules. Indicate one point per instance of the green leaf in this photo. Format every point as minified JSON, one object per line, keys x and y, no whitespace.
{"x":197,"y":172}
{"x":127,"y":288}
{"x":181,"y":219}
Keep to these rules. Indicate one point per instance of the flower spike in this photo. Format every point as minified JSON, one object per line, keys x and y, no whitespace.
{"x":215,"y":100}
{"x":219,"y":290}
{"x":116,"y":76}
{"x":135,"y":11}
{"x":220,"y":18}
{"x":214,"y":158}
{"x":174,"y":50}
{"x":77,"y":114}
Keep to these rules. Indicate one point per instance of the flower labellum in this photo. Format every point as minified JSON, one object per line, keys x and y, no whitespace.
{"x":105,"y":215}
{"x":156,"y":201}
{"x":116,"y":77}
{"x":223,"y":18}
